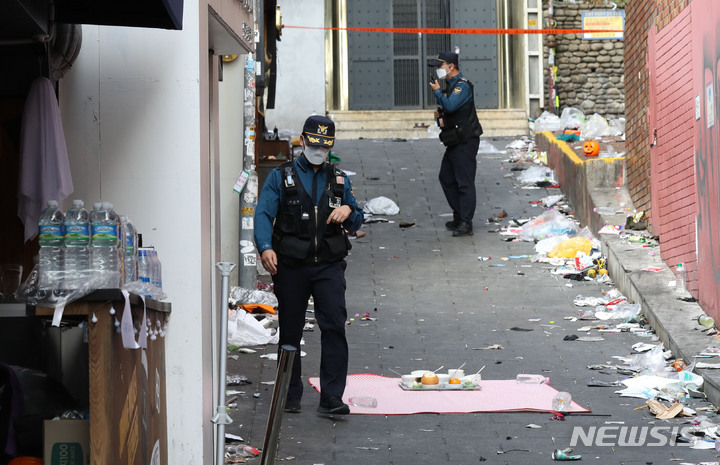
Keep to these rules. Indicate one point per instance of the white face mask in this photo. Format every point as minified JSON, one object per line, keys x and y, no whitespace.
{"x":441,"y":73}
{"x":315,"y":155}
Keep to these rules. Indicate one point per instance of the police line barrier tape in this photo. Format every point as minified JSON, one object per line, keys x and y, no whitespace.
{"x":420,"y":30}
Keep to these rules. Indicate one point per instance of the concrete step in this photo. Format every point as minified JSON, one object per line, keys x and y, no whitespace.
{"x":406,"y":124}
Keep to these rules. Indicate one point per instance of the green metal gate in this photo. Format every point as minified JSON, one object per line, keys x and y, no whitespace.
{"x":390,"y":72}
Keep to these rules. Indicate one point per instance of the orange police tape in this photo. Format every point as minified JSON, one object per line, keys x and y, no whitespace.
{"x":419,"y":30}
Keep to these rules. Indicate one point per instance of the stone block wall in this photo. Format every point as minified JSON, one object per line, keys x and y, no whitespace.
{"x":590,"y":73}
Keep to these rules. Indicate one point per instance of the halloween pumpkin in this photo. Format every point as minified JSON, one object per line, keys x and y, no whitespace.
{"x":591,"y":148}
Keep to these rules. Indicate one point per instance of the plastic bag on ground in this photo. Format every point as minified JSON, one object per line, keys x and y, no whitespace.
{"x":544,"y":246}
{"x":650,"y":362}
{"x":616,"y":126}
{"x":243,"y":296}
{"x":381,"y":206}
{"x":536,"y":174}
{"x":570,"y":247}
{"x":595,"y":126}
{"x":572,"y":118}
{"x":244,"y":330}
{"x":551,"y":223}
{"x":548,"y":122}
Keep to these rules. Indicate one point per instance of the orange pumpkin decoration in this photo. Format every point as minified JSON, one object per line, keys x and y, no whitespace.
{"x":591,"y":148}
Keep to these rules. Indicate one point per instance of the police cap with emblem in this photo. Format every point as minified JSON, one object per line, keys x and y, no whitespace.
{"x":319,"y":131}
{"x":444,"y":57}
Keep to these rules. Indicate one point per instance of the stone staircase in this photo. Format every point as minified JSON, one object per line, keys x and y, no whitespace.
{"x":388,"y":124}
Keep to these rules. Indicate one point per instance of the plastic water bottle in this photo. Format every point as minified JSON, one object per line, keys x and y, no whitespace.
{"x":144,"y":267}
{"x":680,"y":279}
{"x":522,"y":378}
{"x":104,"y":244}
{"x":77,"y":242}
{"x":561,"y":401}
{"x":131,"y":259}
{"x":156,"y":276}
{"x":50,"y":256}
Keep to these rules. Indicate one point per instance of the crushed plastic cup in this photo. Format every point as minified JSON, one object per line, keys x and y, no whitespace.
{"x":367,"y":402}
{"x":564,"y":454}
{"x":561,"y":401}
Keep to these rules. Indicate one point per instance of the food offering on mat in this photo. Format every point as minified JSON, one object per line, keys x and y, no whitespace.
{"x":429,"y":378}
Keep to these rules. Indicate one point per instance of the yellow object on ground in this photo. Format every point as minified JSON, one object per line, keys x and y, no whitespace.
{"x":570,"y":247}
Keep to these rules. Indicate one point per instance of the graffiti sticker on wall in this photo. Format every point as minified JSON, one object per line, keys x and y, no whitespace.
{"x":709,"y":106}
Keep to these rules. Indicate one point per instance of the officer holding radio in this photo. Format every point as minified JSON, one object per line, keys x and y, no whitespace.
{"x":460,"y":132}
{"x":304,"y":210}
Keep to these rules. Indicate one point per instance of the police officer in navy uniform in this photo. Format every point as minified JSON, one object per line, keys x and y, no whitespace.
{"x":304,"y":210}
{"x":460,"y":132}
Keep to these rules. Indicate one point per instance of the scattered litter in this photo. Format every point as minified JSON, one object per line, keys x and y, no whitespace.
{"x":610,"y":229}
{"x":533,"y":426}
{"x":515,"y":328}
{"x":492,"y":347}
{"x":654,"y":269}
{"x":663,"y":412}
{"x":237,"y":380}
{"x":565,"y":454}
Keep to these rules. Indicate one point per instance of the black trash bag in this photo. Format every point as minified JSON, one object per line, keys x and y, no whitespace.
{"x":43,"y":399}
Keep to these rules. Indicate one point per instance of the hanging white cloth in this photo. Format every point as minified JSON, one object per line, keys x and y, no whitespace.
{"x":44,"y":166}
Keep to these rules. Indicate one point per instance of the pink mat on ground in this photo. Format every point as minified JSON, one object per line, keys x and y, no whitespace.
{"x":495,"y":396}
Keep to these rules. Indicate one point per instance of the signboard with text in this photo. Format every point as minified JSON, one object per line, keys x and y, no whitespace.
{"x":612,"y":21}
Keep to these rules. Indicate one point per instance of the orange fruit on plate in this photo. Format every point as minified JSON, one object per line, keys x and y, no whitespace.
{"x":454,"y":381}
{"x":429,"y":378}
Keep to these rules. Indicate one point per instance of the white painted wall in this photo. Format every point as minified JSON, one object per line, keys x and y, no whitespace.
{"x":300,"y":66}
{"x":132,"y":109}
{"x":231,"y":159}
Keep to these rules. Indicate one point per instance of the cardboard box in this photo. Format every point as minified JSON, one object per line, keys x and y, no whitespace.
{"x":67,"y":442}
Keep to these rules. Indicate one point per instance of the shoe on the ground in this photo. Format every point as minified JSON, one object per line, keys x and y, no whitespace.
{"x":463,"y":229}
{"x":451,"y":225}
{"x":334,"y":405}
{"x":292,"y":405}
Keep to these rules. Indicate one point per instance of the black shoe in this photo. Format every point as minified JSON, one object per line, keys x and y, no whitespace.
{"x":334,"y":405}
{"x":463,"y":229}
{"x":292,"y":405}
{"x":451,"y":225}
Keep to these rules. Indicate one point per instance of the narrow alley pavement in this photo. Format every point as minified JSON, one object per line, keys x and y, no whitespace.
{"x":433,"y":302}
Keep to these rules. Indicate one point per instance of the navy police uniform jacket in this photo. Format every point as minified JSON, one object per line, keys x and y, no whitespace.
{"x":292,"y":212}
{"x":458,"y":108}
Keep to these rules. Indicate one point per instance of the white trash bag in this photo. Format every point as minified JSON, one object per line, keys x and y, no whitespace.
{"x":381,"y":206}
{"x":244,"y":330}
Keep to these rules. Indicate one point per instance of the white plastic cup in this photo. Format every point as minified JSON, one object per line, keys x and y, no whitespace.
{"x":456,"y":373}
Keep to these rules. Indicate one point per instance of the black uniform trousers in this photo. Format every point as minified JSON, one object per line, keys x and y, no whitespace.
{"x":326,"y":283}
{"x":457,"y":178}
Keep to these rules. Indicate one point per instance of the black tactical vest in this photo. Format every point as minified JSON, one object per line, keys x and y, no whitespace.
{"x":301,"y":234}
{"x":463,"y":123}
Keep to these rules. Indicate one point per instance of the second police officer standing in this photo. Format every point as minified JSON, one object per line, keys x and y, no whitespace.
{"x":304,"y":210}
{"x":460,"y":132}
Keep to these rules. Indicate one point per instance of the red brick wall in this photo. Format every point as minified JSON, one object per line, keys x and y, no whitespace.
{"x":673,"y":155}
{"x":641,"y":15}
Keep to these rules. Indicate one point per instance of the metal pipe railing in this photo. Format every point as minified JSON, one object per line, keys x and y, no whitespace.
{"x":221,"y":417}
